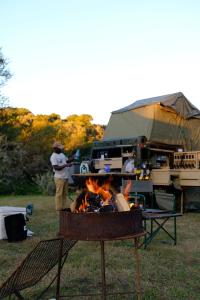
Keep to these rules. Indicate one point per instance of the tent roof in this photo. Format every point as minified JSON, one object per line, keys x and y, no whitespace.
{"x":176,"y":101}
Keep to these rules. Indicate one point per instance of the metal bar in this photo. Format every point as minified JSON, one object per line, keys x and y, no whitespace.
{"x":103,"y":275}
{"x":160,"y":226}
{"x":59,"y":270}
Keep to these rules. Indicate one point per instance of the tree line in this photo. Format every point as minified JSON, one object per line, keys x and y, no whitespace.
{"x":26,"y":143}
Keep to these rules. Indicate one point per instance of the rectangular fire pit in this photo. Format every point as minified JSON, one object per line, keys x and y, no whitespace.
{"x":89,"y":226}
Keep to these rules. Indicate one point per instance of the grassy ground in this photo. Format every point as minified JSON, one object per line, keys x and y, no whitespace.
{"x":168,"y":272}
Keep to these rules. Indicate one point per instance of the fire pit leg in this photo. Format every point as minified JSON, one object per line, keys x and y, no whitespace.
{"x":137,"y":269}
{"x":103,"y":275}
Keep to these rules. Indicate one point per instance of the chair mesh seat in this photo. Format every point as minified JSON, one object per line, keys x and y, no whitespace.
{"x":36,"y":265}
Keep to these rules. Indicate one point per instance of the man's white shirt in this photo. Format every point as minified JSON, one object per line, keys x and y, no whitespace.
{"x":59,"y":159}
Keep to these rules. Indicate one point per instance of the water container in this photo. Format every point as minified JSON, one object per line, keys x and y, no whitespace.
{"x":84,"y":168}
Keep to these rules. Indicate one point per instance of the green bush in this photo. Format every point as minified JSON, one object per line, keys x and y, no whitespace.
{"x":46,"y":184}
{"x":18,"y":187}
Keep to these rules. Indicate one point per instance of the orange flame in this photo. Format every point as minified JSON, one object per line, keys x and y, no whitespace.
{"x":93,"y":186}
{"x":127,"y":189}
{"x":127,"y":194}
{"x":83,"y":206}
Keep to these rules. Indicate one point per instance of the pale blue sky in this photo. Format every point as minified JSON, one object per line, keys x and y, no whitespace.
{"x":74,"y":57}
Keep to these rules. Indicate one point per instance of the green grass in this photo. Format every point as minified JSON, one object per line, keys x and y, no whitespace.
{"x":168,"y":272}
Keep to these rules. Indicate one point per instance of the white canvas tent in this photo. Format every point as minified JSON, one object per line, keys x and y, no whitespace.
{"x":169,"y":119}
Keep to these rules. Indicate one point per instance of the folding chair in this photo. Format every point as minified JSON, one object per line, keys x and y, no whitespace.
{"x":165,"y":201}
{"x":35,"y":266}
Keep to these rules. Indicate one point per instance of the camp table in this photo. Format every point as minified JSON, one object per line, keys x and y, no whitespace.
{"x":159,"y":218}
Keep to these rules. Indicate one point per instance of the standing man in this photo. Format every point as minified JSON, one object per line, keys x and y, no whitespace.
{"x":60,"y":164}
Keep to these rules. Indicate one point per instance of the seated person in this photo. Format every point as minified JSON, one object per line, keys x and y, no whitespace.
{"x":129,"y":165}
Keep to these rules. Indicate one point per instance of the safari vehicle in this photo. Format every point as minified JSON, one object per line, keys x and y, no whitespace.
{"x":113,"y":154}
{"x":161,"y":133}
{"x":162,"y":160}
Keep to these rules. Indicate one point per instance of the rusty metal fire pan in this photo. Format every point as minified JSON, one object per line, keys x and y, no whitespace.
{"x":100,"y":226}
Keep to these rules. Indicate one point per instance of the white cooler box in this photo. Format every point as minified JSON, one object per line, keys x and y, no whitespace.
{"x":7,"y":211}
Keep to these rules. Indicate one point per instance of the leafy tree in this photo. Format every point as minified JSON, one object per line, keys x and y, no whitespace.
{"x":14,"y":121}
{"x":78,"y":131}
{"x":26,"y":144}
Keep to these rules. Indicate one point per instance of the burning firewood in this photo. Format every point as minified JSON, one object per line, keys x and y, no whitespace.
{"x":79,"y":200}
{"x":100,"y":198}
{"x":121,"y":202}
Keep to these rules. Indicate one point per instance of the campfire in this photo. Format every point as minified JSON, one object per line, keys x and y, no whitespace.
{"x":103,"y":197}
{"x":102,"y":213}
